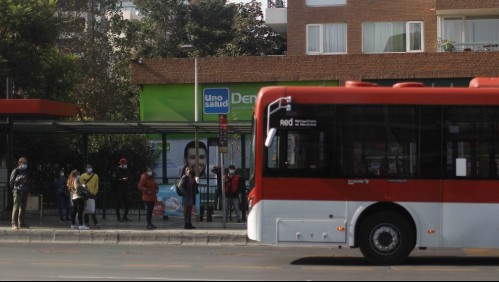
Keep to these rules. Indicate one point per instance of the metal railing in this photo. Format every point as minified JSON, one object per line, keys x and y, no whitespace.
{"x":476,"y":47}
{"x":105,"y":202}
{"x":276,"y":4}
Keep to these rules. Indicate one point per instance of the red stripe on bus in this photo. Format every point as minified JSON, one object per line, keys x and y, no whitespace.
{"x":378,"y":190}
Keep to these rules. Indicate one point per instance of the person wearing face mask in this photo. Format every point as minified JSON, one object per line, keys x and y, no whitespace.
{"x":232,"y":190}
{"x":62,"y":196}
{"x":91,"y":180}
{"x":149,"y":189}
{"x":74,"y":186}
{"x":19,"y":184}
{"x":121,"y":189}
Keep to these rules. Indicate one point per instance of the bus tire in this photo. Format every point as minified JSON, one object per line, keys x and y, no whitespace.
{"x":386,"y":238}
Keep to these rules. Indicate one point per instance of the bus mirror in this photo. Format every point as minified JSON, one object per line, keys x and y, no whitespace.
{"x":461,"y":167}
{"x":270,"y":137}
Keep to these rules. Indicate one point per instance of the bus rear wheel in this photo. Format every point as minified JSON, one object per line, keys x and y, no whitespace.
{"x":386,"y":238}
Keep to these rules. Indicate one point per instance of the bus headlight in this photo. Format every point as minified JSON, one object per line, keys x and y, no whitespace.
{"x":250,"y":204}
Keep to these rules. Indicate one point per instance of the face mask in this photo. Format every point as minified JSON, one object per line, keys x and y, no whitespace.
{"x":90,"y":170}
{"x":149,"y":173}
{"x":125,"y":166}
{"x":62,"y":174}
{"x":78,"y":177}
{"x":232,"y":172}
{"x":24,"y":166}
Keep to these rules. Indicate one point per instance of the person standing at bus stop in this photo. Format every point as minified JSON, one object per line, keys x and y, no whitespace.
{"x":120,"y":182}
{"x":91,"y":180}
{"x":232,"y":189}
{"x":20,"y":188}
{"x":149,"y":189}
{"x":189,"y":187}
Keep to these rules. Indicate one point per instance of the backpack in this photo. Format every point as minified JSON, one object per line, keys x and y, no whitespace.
{"x":178,"y":187}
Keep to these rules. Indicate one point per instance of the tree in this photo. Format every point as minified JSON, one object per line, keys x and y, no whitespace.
{"x":29,"y":30}
{"x":211,"y":25}
{"x":251,"y":36}
{"x":162,"y":31}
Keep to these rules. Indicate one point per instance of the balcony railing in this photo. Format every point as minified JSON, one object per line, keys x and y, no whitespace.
{"x":276,"y":4}
{"x":477,"y":47}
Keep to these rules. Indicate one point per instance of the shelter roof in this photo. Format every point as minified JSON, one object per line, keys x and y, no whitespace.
{"x":135,"y":127}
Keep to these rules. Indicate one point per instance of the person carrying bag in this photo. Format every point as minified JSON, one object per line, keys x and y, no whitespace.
{"x":91,"y":181}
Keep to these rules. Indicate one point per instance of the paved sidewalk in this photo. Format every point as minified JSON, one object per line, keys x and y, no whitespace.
{"x":169,"y":232}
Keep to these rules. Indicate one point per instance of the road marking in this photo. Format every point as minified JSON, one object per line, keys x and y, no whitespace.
{"x":231,"y":267}
{"x":156,"y":265}
{"x":408,"y":268}
{"x":75,"y":264}
{"x":337,"y":268}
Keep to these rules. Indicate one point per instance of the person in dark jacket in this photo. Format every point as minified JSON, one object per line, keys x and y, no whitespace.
{"x":120,"y":189}
{"x":20,"y":188}
{"x":189,"y":186}
{"x":232,"y":189}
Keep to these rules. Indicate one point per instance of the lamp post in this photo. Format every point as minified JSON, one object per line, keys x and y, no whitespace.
{"x":196,"y":109}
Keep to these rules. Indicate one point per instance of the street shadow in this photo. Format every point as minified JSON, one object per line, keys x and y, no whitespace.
{"x":411,"y":261}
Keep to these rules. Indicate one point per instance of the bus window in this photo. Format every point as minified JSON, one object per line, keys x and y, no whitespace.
{"x":297,"y":151}
{"x":431,"y":142}
{"x":472,"y":136}
{"x":402,"y":142}
{"x":377,"y":141}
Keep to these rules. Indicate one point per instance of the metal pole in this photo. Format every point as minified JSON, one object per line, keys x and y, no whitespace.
{"x":164,"y":159}
{"x":243,"y":169}
{"x":196,"y":84}
{"x":223,"y":189}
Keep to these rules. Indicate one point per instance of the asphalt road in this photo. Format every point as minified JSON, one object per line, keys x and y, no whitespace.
{"x":121,"y":262}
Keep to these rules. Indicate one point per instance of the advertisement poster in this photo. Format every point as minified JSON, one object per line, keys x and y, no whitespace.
{"x":182,"y":152}
{"x":170,"y":204}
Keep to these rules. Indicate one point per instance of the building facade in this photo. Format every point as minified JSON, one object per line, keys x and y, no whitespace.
{"x":330,"y":42}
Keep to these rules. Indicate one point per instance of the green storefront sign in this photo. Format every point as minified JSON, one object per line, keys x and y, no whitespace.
{"x":175,"y":102}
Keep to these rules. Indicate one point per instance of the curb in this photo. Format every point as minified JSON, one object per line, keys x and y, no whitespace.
{"x":128,"y":237}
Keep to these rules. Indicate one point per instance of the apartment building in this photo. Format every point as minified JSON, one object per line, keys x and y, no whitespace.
{"x":332,"y":41}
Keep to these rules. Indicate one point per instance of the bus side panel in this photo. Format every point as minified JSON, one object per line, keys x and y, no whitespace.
{"x":298,"y":222}
{"x":471,"y":225}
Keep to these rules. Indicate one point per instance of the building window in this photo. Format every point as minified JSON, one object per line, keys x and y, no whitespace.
{"x":326,"y":39}
{"x":325,"y":3}
{"x":392,"y":37}
{"x":479,"y":33}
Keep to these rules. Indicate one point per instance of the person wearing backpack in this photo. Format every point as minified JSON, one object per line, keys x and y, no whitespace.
{"x":20,"y":188}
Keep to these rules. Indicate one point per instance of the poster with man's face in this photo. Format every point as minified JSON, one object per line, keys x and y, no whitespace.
{"x":181,"y":153}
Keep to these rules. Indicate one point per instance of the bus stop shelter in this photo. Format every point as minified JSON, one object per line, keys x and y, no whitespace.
{"x":24,"y":116}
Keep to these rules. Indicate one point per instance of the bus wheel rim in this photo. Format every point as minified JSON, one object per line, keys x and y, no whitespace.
{"x":385,"y":239}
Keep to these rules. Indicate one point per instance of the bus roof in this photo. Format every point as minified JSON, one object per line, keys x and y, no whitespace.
{"x":381,"y":95}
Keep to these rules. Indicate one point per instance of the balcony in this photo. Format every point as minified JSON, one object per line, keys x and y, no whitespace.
{"x":276,"y":16}
{"x":477,"y":47}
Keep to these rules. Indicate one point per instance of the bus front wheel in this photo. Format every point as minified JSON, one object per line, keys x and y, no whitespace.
{"x":386,"y":238}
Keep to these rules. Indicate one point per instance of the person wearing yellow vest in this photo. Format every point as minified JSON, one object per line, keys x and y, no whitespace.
{"x":91,"y":180}
{"x":232,"y":190}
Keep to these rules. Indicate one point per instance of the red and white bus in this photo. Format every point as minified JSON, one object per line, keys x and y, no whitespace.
{"x":385,"y":169}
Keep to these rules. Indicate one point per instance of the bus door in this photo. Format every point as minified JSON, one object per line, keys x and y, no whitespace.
{"x":298,"y":174}
{"x":471,"y":185}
